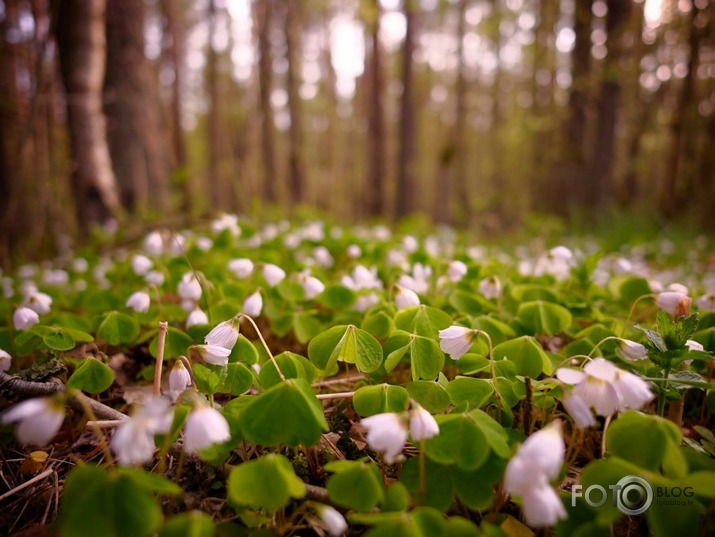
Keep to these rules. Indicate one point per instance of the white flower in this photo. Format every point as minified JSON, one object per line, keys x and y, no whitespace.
{"x":422,"y":424}
{"x":213,"y":354}
{"x":39,"y":420}
{"x":241,"y":268}
{"x":5,"y":360}
{"x":154,"y":277}
{"x":197,"y":316}
{"x":226,"y":221}
{"x":578,"y":410}
{"x":706,"y":302}
{"x":80,"y":264}
{"x":40,"y":303}
{"x":386,"y":433}
{"x":410,"y":244}
{"x":674,"y":303}
{"x":273,"y":274}
{"x":419,"y":281}
{"x":205,"y":427}
{"x":694,"y":345}
{"x":405,"y":298}
{"x":253,"y":305}
{"x":594,"y":385}
{"x":133,"y":441}
{"x":542,"y":507}
{"x":153,"y":243}
{"x":139,"y":301}
{"x":55,"y":277}
{"x":141,"y":264}
{"x":362,"y":278}
{"x":456,"y":270}
{"x":354,"y":251}
{"x":537,"y":462}
{"x":545,"y":450}
{"x":189,"y":287}
{"x":323,"y":257}
{"x":678,"y":288}
{"x":24,"y":318}
{"x":630,"y":350}
{"x":224,"y":334}
{"x":455,"y":340}
{"x":490,"y":287}
{"x":179,"y":379}
{"x":557,"y":262}
{"x":633,"y":391}
{"x":334,"y":522}
{"x":204,"y":244}
{"x":365,"y":302}
{"x":605,"y":388}
{"x":312,"y":286}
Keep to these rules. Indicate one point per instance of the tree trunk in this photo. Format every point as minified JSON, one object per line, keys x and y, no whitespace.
{"x":607,"y":107}
{"x":680,"y":168}
{"x":265,"y":74}
{"x":293,"y":51}
{"x":406,"y":158}
{"x":132,"y":109}
{"x":213,"y":139}
{"x":376,"y":119}
{"x":174,"y":40}
{"x":453,"y":158}
{"x":82,"y":45}
{"x":571,"y":188}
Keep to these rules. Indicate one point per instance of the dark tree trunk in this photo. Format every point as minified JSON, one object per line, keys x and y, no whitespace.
{"x":453,"y":159}
{"x":293,"y":32}
{"x":406,"y":160}
{"x":572,"y":186}
{"x":174,"y":42}
{"x":376,"y":126}
{"x":265,"y":74}
{"x":82,"y":44}
{"x":680,"y":170}
{"x":216,"y":187}
{"x":607,"y":107}
{"x":132,"y":109}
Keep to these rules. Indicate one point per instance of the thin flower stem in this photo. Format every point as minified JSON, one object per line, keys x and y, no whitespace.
{"x":603,"y":438}
{"x":595,"y":348}
{"x":493,"y":366}
{"x":98,"y":432}
{"x":337,"y":395}
{"x":163,"y":328}
{"x":422,"y":472}
{"x":106,"y":424}
{"x":341,"y":380}
{"x":265,"y":345}
{"x":635,"y":303}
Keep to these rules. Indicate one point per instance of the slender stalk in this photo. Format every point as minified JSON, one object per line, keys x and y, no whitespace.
{"x":609,"y":338}
{"x":664,"y":388}
{"x":635,"y":303}
{"x":98,"y":432}
{"x":163,"y":328}
{"x":422,"y":472}
{"x":27,"y":483}
{"x":603,"y":438}
{"x":336,"y":395}
{"x":265,"y":345}
{"x":493,"y":367}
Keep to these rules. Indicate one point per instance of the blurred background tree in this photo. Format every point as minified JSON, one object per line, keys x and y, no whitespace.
{"x":475,"y":113}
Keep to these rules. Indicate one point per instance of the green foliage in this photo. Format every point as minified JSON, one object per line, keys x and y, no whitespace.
{"x":91,"y":376}
{"x":348,"y":344}
{"x":268,"y":482}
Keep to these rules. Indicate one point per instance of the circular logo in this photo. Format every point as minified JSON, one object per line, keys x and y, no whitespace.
{"x":634,"y":495}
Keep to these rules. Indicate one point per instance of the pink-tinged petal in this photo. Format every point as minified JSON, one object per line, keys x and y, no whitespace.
{"x":601,"y":369}
{"x":570,"y":376}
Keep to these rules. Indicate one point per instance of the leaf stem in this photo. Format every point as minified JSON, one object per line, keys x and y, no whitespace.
{"x":161,"y":342}
{"x":265,"y":345}
{"x":91,"y":418}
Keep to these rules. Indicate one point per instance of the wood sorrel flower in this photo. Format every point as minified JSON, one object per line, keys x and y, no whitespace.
{"x":456,"y":271}
{"x":224,"y":334}
{"x":334,"y":521}
{"x":38,"y":419}
{"x":205,"y":427}
{"x":405,"y":298}
{"x":273,"y":274}
{"x":490,"y":287}
{"x":213,"y":354}
{"x":139,"y":301}
{"x":133,"y":441}
{"x":189,"y":287}
{"x":456,"y":340}
{"x":5,"y":360}
{"x":630,"y":350}
{"x":674,"y":303}
{"x":253,"y":305}
{"x":197,"y":316}
{"x":179,"y":379}
{"x":241,"y":268}
{"x":422,"y":424}
{"x":537,"y":462}
{"x":386,"y":433}
{"x":25,"y":318}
